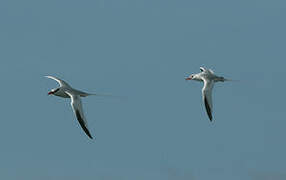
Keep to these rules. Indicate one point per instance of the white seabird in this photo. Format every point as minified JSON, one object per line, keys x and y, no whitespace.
{"x":209,"y":79}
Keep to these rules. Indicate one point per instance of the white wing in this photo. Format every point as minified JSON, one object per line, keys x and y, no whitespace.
{"x":61,"y":82}
{"x":211,"y":71}
{"x":206,"y":70}
{"x":202,"y":69}
{"x":77,"y":108}
{"x":207,"y":96}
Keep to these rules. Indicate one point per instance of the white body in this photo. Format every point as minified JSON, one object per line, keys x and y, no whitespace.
{"x":66,"y":91}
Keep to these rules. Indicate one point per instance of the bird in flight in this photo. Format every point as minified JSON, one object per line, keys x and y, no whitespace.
{"x":66,"y":91}
{"x":209,"y":78}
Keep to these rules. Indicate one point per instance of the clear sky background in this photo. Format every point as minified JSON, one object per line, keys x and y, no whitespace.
{"x":142,"y":50}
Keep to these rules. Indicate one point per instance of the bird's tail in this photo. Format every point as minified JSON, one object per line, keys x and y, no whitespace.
{"x":103,"y":95}
{"x":222,"y":79}
{"x":233,"y":80}
{"x":96,"y":94}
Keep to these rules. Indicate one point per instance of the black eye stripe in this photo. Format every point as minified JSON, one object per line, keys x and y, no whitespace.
{"x":56,"y":90}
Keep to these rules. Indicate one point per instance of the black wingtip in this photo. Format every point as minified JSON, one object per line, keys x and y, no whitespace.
{"x":90,"y":136}
{"x":81,"y":122}
{"x":208,"y":109}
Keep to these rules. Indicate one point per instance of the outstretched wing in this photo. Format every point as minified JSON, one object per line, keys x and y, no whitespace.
{"x":207,"y":96}
{"x":61,"y":82}
{"x":77,"y":108}
{"x":202,"y":69}
{"x":211,"y":71}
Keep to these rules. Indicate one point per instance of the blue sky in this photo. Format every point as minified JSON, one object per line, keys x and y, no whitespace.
{"x":142,"y":50}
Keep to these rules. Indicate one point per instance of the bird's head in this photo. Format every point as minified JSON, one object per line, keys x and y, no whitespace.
{"x":53,"y":91}
{"x":195,"y":77}
{"x":191,"y":77}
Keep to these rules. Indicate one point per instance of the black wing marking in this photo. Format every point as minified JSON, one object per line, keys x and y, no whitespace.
{"x":209,"y":112}
{"x":81,"y":122}
{"x":202,"y":69}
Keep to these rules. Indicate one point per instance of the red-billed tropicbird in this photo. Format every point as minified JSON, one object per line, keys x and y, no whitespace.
{"x":66,"y":91}
{"x":209,"y":78}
